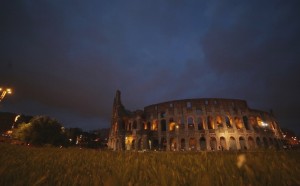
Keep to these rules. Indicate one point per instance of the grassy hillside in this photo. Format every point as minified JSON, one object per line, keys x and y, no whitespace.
{"x":21,"y":165}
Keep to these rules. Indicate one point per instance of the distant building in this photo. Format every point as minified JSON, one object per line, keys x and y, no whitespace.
{"x":205,"y":124}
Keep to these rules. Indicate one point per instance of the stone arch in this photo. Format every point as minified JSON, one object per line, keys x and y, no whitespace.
{"x":232,"y":143}
{"x":265,"y":141}
{"x":252,"y":121}
{"x":213,"y":143}
{"x":228,"y":122}
{"x":210,"y":122}
{"x":219,"y":122}
{"x":259,"y":121}
{"x":190,"y":122}
{"x":246,"y":122}
{"x":172,"y":126}
{"x":192,"y":144}
{"x":144,"y":124}
{"x":223,"y":145}
{"x":173,"y":144}
{"x":182,"y":144}
{"x":238,"y":123}
{"x":155,"y":144}
{"x":200,"y":124}
{"x":182,"y":124}
{"x":242,"y":143}
{"x":163,"y":125}
{"x":258,"y":142}
{"x":251,"y":143}
{"x":202,"y":143}
{"x":154,"y":125}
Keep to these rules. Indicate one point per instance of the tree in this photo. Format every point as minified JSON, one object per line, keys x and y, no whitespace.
{"x":41,"y":130}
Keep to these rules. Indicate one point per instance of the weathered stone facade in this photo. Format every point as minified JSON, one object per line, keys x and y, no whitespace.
{"x":193,"y":124}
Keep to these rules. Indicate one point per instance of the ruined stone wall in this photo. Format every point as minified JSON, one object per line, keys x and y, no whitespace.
{"x":199,"y":124}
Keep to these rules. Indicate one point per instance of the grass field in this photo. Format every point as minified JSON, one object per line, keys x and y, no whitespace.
{"x":21,"y":165}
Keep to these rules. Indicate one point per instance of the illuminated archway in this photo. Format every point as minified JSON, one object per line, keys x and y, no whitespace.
{"x":213,"y":143}
{"x":243,"y":143}
{"x":154,"y":125}
{"x":232,"y":143}
{"x":259,"y":121}
{"x":251,"y":143}
{"x":238,"y":123}
{"x":223,"y":144}
{"x":172,"y":126}
{"x":219,"y":122}
{"x":192,"y":144}
{"x":173,"y":144}
{"x":210,"y":122}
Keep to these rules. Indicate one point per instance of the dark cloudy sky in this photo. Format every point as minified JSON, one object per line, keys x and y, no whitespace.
{"x":66,"y":58}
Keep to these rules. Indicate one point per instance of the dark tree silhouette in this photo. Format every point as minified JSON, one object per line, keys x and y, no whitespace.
{"x":41,"y":130}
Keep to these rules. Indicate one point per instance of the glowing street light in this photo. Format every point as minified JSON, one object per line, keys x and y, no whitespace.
{"x":264,"y":124}
{"x":4,"y":91}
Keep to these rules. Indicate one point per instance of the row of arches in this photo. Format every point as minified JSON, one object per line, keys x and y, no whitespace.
{"x":203,"y":143}
{"x":249,"y":123}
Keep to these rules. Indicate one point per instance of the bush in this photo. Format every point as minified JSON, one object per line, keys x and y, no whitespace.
{"x":41,"y":130}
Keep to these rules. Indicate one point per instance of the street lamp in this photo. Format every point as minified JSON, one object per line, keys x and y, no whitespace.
{"x":4,"y":91}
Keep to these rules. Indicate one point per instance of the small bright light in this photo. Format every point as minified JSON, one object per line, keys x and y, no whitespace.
{"x":264,"y":124}
{"x":177,"y":126}
{"x":9,"y":91}
{"x":17,"y":117}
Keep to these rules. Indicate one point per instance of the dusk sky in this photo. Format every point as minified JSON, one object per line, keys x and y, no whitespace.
{"x":66,"y":58}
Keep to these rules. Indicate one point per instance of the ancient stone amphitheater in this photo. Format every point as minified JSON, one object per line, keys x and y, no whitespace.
{"x":206,"y":124}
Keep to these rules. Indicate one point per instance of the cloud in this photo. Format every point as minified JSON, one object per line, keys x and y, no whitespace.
{"x":258,"y":54}
{"x":72,"y":55}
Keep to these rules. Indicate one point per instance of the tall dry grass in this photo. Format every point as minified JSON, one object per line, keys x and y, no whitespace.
{"x":21,"y":165}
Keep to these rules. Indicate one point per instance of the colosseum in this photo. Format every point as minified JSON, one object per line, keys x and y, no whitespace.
{"x":206,"y":124}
